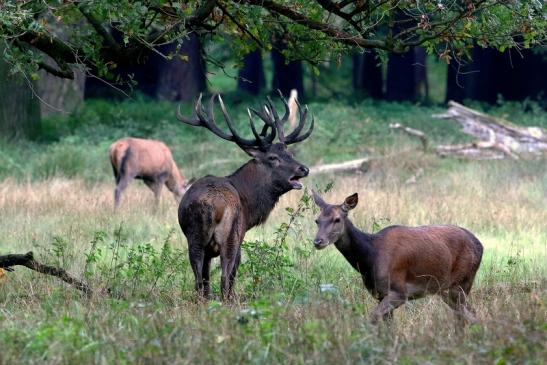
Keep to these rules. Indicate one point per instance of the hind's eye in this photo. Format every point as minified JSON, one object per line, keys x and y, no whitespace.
{"x":316,"y":221}
{"x":337,"y":220}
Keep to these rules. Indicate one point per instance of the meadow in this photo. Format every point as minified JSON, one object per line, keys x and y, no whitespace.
{"x":295,"y":305}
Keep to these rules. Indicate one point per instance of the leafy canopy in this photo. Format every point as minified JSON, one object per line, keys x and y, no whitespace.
{"x":98,"y":35}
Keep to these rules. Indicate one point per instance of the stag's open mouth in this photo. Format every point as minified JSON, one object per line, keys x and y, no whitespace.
{"x":295,"y":183}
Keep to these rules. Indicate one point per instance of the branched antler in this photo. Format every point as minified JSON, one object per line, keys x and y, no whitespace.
{"x":268,"y":114}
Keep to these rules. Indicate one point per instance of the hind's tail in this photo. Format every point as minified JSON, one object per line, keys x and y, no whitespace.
{"x":119,"y":153}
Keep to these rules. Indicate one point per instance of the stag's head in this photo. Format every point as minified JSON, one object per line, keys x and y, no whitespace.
{"x":333,"y":219}
{"x":284,"y":171}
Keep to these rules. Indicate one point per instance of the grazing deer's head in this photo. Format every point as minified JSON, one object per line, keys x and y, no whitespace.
{"x":277,"y":162}
{"x":333,"y":220}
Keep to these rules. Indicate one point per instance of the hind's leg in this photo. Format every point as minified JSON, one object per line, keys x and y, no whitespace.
{"x":155,"y":186}
{"x":456,"y":298}
{"x":385,"y":308}
{"x":120,"y":187}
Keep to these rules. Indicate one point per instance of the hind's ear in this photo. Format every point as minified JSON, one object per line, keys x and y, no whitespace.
{"x":318,"y":200}
{"x":350,"y":202}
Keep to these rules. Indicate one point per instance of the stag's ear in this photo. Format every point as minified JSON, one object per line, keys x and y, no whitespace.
{"x":350,"y":202}
{"x":253,"y":152}
{"x":318,"y":200}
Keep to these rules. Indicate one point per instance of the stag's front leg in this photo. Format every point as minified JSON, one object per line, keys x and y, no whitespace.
{"x":227,"y":264}
{"x":234,"y":272}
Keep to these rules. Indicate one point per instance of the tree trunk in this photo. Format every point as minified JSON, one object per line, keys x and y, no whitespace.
{"x":513,"y":75}
{"x":180,"y":78}
{"x":60,"y":95}
{"x":287,"y":76}
{"x":19,"y":107}
{"x":367,"y":74}
{"x":251,"y":75}
{"x":183,"y":77}
{"x":407,"y":76}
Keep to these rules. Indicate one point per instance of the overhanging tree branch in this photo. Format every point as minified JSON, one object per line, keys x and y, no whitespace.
{"x":328,"y":29}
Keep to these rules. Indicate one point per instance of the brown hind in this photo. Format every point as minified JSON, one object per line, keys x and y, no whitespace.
{"x":402,"y":263}
{"x":146,"y":159}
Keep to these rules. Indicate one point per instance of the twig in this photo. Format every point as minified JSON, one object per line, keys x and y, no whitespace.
{"x":27,"y":260}
{"x":411,"y":132}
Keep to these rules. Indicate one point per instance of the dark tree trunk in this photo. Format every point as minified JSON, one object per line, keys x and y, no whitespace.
{"x":251,"y":75}
{"x":513,"y":75}
{"x":19,"y":107}
{"x":287,"y":76}
{"x":367,"y":74}
{"x":182,"y":77}
{"x":474,"y":80}
{"x":60,"y":95}
{"x":407,"y":76}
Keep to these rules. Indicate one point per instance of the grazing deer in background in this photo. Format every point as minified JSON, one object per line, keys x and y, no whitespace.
{"x":401,"y":263}
{"x":215,"y":212}
{"x":146,"y":159}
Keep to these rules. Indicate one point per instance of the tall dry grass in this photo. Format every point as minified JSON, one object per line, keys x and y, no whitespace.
{"x":504,"y":203}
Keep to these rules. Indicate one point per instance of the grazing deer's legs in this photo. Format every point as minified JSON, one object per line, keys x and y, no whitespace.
{"x":120,"y":187}
{"x":386,"y":306}
{"x":205,"y":276}
{"x":155,"y":186}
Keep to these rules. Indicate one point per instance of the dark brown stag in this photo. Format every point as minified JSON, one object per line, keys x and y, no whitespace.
{"x":146,"y":159}
{"x":215,"y":212}
{"x":400,"y":263}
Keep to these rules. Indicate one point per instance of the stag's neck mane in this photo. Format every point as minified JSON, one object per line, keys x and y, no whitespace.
{"x":256,"y":191}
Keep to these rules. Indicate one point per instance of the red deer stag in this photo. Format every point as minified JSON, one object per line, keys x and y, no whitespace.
{"x":215,"y":212}
{"x":402,"y":263}
{"x":146,"y":159}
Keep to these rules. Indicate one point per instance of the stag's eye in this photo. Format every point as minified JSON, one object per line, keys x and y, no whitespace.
{"x":337,"y":220}
{"x":317,"y":221}
{"x":273,"y":158}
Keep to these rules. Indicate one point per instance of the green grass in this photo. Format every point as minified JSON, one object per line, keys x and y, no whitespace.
{"x":56,"y":200}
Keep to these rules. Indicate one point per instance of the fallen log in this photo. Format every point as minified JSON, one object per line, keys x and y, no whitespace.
{"x":411,"y":132}
{"x":496,"y":138}
{"x":360,"y":164}
{"x":27,"y":260}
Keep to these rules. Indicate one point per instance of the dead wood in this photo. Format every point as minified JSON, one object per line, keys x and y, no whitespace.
{"x":411,"y":132}
{"x":496,"y":138}
{"x":27,"y":260}
{"x":360,"y":164}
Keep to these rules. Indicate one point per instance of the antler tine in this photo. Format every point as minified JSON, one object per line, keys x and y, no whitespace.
{"x":268,"y":123}
{"x":286,"y":105}
{"x":207,"y":119}
{"x":294,"y":137}
{"x":243,"y":142}
{"x":278,"y":123}
{"x":192,"y":121}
